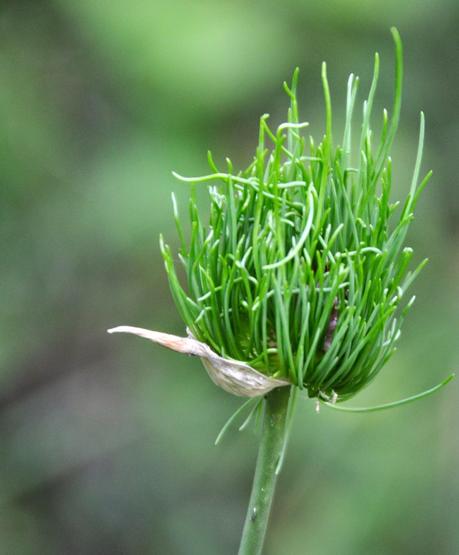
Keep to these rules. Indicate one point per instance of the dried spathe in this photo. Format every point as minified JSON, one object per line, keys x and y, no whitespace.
{"x":233,"y":376}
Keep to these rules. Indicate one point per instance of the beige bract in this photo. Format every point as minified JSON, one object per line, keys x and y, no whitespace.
{"x":233,"y":376}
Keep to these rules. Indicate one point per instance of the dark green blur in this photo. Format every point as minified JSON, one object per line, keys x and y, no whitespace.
{"x":106,"y":442}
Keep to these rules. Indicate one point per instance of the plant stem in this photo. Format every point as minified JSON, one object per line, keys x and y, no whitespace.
{"x":264,"y":482}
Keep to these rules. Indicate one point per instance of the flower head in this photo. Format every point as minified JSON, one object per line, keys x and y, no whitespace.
{"x":298,"y":276}
{"x":300,"y":270}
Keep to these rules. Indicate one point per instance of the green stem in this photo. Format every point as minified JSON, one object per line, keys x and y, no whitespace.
{"x":271,"y":446}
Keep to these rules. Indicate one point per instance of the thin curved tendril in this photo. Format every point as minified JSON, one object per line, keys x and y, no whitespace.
{"x":288,"y":426}
{"x":233,"y":417}
{"x":394,"y":404}
{"x":301,"y":241}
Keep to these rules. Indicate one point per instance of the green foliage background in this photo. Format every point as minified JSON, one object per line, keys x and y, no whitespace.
{"x":107,"y":442}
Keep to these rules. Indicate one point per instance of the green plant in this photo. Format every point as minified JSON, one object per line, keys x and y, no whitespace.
{"x":297,"y":279}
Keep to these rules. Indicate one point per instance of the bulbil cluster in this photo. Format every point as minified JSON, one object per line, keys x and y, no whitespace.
{"x":300,"y":269}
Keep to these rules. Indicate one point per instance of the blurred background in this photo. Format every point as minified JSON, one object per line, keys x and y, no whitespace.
{"x":107,"y":441}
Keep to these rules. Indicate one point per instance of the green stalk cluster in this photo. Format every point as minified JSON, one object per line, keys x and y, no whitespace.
{"x":300,"y":268}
